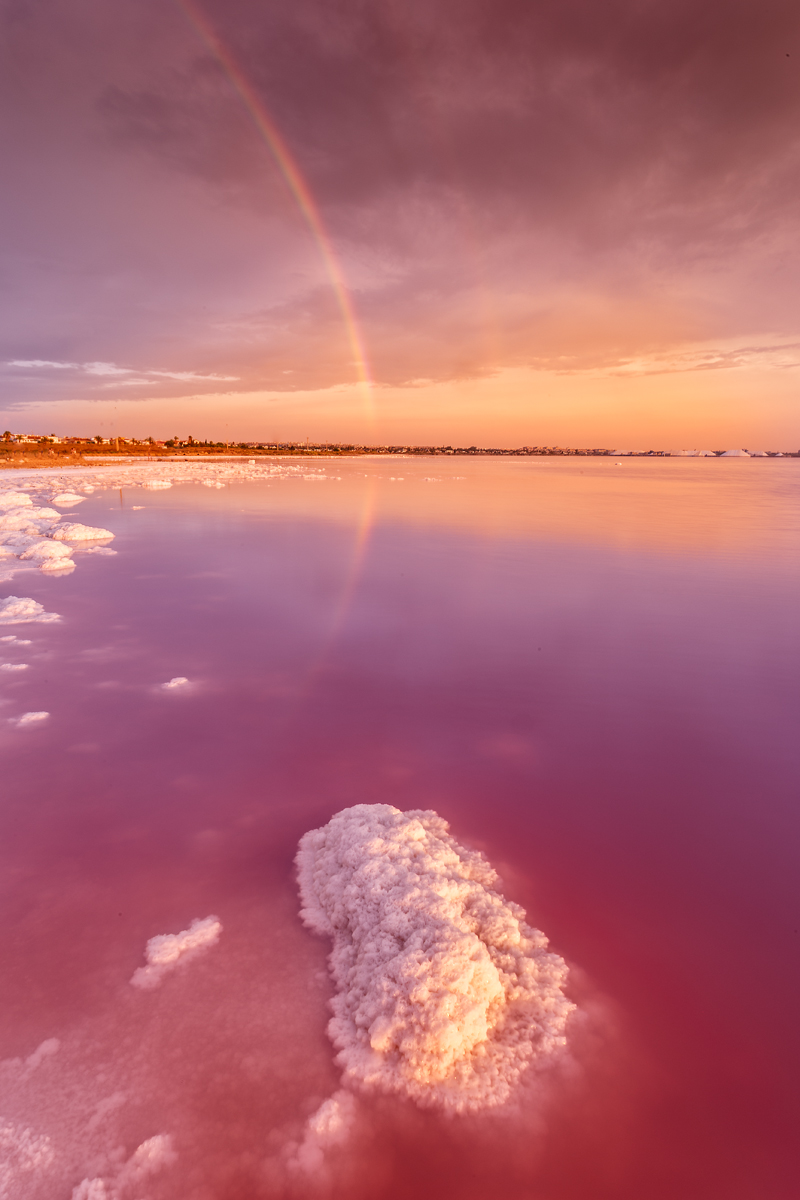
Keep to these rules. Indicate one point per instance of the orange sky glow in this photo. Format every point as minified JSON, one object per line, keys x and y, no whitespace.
{"x":452,"y":224}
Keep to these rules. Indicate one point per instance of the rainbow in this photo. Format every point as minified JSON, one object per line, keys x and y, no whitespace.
{"x":296,"y":184}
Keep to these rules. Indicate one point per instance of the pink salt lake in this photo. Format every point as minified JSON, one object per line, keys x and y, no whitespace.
{"x":590,"y":670}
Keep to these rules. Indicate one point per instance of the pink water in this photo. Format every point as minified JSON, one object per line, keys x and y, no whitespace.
{"x":591,"y":671}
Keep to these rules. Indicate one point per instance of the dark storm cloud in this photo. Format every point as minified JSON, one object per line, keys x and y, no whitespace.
{"x":541,"y":104}
{"x":506,"y":183}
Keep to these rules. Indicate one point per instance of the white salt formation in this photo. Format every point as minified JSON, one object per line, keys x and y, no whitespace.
{"x":43,"y":1051}
{"x":47,"y":549}
{"x":21,"y":610}
{"x":14,"y":500}
{"x":444,"y":994}
{"x":21,"y":518}
{"x":74,"y":532}
{"x":23,"y":1155}
{"x":165,"y":951}
{"x":67,"y":499}
{"x":326,"y":1129}
{"x":151,"y":1157}
{"x":29,"y":718}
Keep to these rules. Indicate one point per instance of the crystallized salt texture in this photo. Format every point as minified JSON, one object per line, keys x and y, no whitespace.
{"x":46,"y":548}
{"x":52,"y":556}
{"x":42,"y":514}
{"x":23,"y":1154}
{"x":67,"y":499}
{"x":43,"y":1051}
{"x":443,"y":993}
{"x":166,"y":950}
{"x":57,"y":566}
{"x":327,"y":1128}
{"x":20,"y":610}
{"x":22,"y":518}
{"x":14,"y":500}
{"x":151,"y":1157}
{"x":73,"y":532}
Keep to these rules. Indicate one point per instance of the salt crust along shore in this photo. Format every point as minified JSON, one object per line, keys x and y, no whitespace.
{"x":31,"y":532}
{"x":444,"y":995}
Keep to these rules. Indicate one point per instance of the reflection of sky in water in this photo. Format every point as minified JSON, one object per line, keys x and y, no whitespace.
{"x":590,"y":671}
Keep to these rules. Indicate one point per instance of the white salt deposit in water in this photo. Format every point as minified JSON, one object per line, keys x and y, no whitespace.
{"x":23,"y":530}
{"x":21,"y":610}
{"x":147,"y":1160}
{"x":23,"y":1153}
{"x":43,"y":1051}
{"x":74,"y":532}
{"x":14,"y":500}
{"x":168,"y":950}
{"x":46,"y":549}
{"x":327,"y":1129}
{"x":67,"y":499}
{"x":57,"y":566}
{"x":444,"y":995}
{"x":13,"y":666}
{"x":29,"y":718}
{"x":178,"y":681}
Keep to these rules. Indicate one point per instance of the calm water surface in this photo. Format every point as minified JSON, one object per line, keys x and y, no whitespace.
{"x":590,"y":669}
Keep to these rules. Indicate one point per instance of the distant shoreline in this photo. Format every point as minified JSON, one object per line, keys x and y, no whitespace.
{"x":62,"y":455}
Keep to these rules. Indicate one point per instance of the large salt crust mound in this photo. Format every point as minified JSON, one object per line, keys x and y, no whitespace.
{"x":444,"y":994}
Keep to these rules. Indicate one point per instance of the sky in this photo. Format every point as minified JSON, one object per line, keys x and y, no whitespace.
{"x":494,"y":222}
